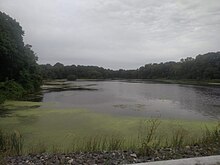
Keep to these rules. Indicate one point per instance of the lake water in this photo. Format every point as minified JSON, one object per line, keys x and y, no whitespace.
{"x":142,"y":99}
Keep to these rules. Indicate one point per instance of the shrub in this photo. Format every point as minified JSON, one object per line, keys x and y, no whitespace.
{"x":71,"y":78}
{"x":2,"y":98}
{"x":11,"y":90}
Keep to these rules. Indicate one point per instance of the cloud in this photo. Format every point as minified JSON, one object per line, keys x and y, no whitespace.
{"x":117,"y":33}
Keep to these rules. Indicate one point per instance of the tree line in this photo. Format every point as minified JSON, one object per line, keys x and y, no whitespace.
{"x":202,"y":67}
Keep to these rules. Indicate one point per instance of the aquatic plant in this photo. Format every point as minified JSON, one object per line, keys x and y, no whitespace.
{"x":11,"y":143}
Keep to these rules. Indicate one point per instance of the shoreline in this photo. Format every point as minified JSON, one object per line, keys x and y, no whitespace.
{"x":215,"y":83}
{"x":115,"y":157}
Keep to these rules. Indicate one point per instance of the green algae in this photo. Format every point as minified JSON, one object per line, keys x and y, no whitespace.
{"x":51,"y":127}
{"x":14,"y":105}
{"x":56,"y":85}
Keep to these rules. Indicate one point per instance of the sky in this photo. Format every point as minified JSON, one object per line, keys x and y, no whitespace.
{"x":117,"y":34}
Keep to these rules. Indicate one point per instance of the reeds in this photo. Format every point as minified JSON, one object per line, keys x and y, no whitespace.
{"x":11,"y":143}
{"x":98,"y":143}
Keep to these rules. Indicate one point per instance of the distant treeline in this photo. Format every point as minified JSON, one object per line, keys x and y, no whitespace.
{"x":203,"y":67}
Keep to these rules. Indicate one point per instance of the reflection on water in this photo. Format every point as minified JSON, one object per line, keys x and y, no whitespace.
{"x":142,"y":99}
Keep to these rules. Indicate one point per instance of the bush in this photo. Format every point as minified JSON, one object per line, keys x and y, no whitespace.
{"x":30,"y":82}
{"x":71,"y":78}
{"x":11,"y":90}
{"x":2,"y":98}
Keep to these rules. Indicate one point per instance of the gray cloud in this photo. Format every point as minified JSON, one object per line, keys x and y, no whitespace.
{"x":117,"y":33}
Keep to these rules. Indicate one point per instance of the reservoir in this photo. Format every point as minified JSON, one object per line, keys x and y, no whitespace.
{"x":142,"y":99}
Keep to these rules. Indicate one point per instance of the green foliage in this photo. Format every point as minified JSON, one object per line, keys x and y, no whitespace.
{"x":178,"y":138}
{"x":210,"y":136}
{"x":11,"y":143}
{"x":17,"y":61}
{"x":147,"y":136}
{"x":2,"y":95}
{"x":203,"y":67}
{"x":98,"y":143}
{"x":16,"y":142}
{"x":11,"y":47}
{"x":40,"y":147}
{"x":71,"y":78}
{"x":11,"y":90}
{"x":116,"y":143}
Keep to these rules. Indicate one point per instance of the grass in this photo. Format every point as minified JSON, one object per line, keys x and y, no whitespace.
{"x":97,"y":143}
{"x":11,"y":143}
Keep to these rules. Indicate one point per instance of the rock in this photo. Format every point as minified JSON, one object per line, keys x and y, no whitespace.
{"x":133,"y":155}
{"x":197,"y":153}
{"x":70,"y":161}
{"x":187,"y":147}
{"x":167,"y":149}
{"x":112,"y":157}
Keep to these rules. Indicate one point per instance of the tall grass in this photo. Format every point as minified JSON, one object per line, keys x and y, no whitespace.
{"x":39,"y":147}
{"x":147,"y":136}
{"x":179,"y":138}
{"x":11,"y":143}
{"x":98,"y":143}
{"x":211,"y":136}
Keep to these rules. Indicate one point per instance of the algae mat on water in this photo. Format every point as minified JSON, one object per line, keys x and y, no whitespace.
{"x":59,"y":127}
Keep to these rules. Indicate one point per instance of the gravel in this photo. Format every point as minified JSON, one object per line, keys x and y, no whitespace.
{"x":113,"y":157}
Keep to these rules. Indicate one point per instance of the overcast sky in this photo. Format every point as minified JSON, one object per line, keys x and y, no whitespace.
{"x":117,"y":33}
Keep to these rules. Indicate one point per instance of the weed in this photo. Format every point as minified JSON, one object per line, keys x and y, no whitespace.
{"x":211,"y":136}
{"x":115,"y":143}
{"x":11,"y":143}
{"x":16,"y":142}
{"x":178,"y":137}
{"x":147,"y":136}
{"x":40,"y":147}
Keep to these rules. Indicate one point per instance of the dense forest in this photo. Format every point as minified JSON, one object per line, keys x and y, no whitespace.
{"x":20,"y":74}
{"x":203,"y":67}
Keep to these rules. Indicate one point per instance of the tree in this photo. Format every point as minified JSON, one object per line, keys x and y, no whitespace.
{"x":71,"y":78}
{"x":11,"y":47}
{"x":205,"y":66}
{"x":18,"y":62}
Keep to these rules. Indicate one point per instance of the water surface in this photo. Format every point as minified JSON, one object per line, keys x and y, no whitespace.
{"x":142,"y":99}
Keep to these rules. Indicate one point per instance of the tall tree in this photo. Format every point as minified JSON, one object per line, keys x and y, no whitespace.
{"x":18,"y":62}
